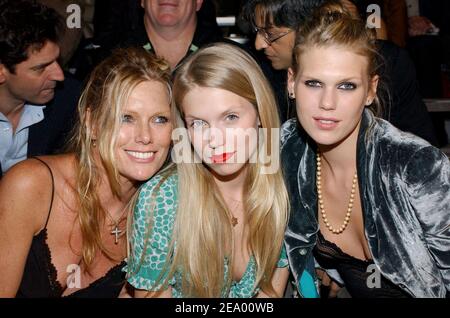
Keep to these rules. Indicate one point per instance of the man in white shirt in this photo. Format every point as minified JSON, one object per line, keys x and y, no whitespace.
{"x":29,"y":73}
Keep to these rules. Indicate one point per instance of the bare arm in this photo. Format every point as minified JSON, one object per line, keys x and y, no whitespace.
{"x":279,"y":281}
{"x":129,"y":291}
{"x":24,"y":199}
{"x":139,"y":293}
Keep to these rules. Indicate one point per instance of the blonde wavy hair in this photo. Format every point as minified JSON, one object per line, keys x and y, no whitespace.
{"x":99,"y":110}
{"x":203,"y":229}
{"x":333,"y":25}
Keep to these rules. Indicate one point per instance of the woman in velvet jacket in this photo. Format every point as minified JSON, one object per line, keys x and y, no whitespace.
{"x":368,"y":201}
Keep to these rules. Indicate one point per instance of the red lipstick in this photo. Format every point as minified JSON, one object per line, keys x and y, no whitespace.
{"x":222,"y":158}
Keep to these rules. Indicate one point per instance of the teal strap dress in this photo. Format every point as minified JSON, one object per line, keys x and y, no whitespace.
{"x":146,"y":265}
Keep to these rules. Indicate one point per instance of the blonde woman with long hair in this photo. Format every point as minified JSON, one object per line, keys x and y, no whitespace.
{"x":371,"y":202}
{"x":63,"y":218}
{"x":214,"y":227}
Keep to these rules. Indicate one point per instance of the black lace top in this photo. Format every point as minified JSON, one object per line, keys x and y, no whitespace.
{"x":359,"y":276}
{"x":39,"y":278}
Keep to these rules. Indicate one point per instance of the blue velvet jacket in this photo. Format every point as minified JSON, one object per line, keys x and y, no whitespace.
{"x":404,"y":185}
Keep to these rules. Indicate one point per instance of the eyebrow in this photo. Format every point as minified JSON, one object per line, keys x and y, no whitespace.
{"x":341,"y":80}
{"x":42,"y":65}
{"x":231,"y":109}
{"x":228,"y":111}
{"x":130,"y":112}
{"x":268,"y":27}
{"x":190,"y":117}
{"x":349,"y":79}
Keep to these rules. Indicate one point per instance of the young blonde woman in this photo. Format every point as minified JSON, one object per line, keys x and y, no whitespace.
{"x":215,"y":226}
{"x":369,"y":201}
{"x":63,"y":218}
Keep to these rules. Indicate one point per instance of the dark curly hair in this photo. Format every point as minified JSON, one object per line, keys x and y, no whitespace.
{"x":25,"y":25}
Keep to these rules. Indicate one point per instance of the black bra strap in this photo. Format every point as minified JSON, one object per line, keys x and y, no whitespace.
{"x":53,"y":188}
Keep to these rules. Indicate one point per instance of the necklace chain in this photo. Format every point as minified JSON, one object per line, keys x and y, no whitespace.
{"x":321,"y":204}
{"x":234,"y":220}
{"x":115,"y":226}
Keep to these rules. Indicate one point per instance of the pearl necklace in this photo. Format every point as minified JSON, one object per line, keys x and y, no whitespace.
{"x":321,"y":205}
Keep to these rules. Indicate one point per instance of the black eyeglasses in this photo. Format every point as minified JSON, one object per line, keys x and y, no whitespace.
{"x":270,"y":38}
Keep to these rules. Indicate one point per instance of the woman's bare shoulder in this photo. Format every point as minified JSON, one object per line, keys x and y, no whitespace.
{"x":27,"y":176}
{"x":26,"y":189}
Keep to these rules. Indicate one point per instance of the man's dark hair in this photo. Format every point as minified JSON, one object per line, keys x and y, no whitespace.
{"x":282,"y":13}
{"x":25,"y":25}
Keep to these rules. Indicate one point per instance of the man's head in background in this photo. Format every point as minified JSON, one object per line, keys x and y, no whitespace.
{"x":29,"y":50}
{"x":275,"y":23}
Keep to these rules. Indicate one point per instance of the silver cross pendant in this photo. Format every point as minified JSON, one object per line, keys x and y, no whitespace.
{"x":116,"y":232}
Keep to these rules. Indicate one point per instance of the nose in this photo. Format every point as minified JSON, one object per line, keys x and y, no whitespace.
{"x":56,"y":73}
{"x":215,"y":137}
{"x":328,"y":100}
{"x":260,"y":42}
{"x":143,"y":134}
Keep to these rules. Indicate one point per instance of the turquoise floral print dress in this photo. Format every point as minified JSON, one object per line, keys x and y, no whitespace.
{"x":147,"y":261}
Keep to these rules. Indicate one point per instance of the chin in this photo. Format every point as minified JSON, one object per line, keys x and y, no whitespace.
{"x":168,"y":20}
{"x":140,"y":176}
{"x":42,"y":100}
{"x":141,"y":172}
{"x":281,"y":64}
{"x":46,"y":97}
{"x":277,"y":66}
{"x":326,"y":142}
{"x":326,"y":139}
{"x":226,"y":170}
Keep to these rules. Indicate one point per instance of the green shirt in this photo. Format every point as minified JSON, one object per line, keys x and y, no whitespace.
{"x":149,"y":275}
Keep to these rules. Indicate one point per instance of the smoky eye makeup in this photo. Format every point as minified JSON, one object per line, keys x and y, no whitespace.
{"x":313,"y":83}
{"x":347,"y":86}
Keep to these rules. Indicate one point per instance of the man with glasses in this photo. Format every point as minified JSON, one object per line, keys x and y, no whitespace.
{"x":268,"y":37}
{"x":275,"y":22}
{"x":276,"y":44}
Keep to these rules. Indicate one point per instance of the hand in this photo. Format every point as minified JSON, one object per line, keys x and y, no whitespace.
{"x":419,"y":25}
{"x":328,"y":287}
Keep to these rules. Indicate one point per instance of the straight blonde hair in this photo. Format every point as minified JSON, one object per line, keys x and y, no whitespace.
{"x":203,"y":229}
